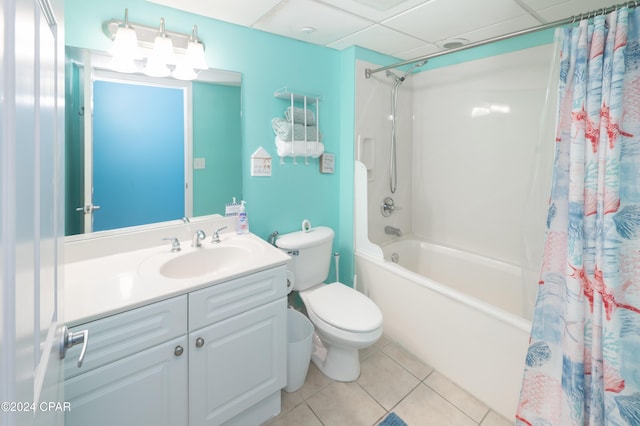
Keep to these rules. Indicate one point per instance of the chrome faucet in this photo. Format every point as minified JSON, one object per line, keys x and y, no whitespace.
{"x":392,"y":230}
{"x":175,"y":244}
{"x":215,"y":238}
{"x":198,"y":236}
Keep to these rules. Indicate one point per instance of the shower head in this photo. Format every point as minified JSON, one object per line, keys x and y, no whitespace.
{"x":395,"y":77}
{"x":399,"y":79}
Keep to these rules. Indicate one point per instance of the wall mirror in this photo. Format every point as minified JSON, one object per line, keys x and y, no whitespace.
{"x":144,"y":151}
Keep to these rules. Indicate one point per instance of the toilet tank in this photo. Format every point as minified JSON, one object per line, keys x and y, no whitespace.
{"x":311,"y":255}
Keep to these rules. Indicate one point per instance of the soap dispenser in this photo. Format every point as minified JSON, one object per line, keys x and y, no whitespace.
{"x":242,"y":224}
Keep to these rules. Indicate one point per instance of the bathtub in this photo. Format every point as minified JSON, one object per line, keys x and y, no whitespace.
{"x":460,"y":313}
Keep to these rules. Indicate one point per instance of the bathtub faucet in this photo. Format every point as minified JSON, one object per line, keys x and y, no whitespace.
{"x":392,"y":230}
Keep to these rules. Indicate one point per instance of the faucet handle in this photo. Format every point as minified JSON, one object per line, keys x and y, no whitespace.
{"x":215,"y":238}
{"x":175,"y":244}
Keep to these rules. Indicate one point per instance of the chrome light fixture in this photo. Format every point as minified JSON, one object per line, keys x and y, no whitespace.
{"x":195,"y":51}
{"x":125,"y":48}
{"x":194,"y":58}
{"x":168,"y":53}
{"x":161,"y":56}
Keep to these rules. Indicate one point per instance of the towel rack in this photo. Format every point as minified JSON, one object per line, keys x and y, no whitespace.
{"x":305,"y":98}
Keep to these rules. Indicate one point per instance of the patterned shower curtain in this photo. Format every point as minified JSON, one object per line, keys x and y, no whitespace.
{"x":583,"y":362}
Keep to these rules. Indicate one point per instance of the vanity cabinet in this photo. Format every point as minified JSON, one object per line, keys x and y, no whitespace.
{"x":215,"y":356}
{"x":237,"y":350}
{"x":135,"y":370}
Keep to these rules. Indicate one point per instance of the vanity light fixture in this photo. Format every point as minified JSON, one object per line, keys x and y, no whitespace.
{"x":166,"y":52}
{"x":125,"y":47}
{"x":195,"y":51}
{"x":194,"y":58}
{"x":161,"y":56}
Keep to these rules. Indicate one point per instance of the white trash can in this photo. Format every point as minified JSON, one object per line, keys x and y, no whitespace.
{"x":299,"y":344}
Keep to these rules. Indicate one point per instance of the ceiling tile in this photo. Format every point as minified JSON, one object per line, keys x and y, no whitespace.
{"x":574,"y":7}
{"x":425,"y":49}
{"x":361,"y":8}
{"x":499,"y":29}
{"x":440,"y":19}
{"x":393,"y":27}
{"x":379,"y":39}
{"x":542,"y":4}
{"x":234,"y":11}
{"x":290,"y":17}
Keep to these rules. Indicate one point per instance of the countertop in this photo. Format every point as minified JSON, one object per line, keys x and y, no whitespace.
{"x":106,"y":285}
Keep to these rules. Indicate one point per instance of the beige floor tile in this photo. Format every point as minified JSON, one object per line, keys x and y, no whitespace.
{"x":424,"y":407}
{"x":462,"y":399}
{"x":382,"y":342}
{"x":385,"y":380}
{"x":495,"y":419}
{"x":315,"y":382}
{"x":299,"y":416}
{"x":367,"y":352}
{"x":407,"y":360}
{"x":341,"y":404}
{"x":290,"y":400}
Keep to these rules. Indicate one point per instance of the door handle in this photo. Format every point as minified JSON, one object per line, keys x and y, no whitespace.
{"x":71,"y":339}
{"x":88,"y":209}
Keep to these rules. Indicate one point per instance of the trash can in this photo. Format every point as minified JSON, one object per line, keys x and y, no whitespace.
{"x":299,"y":344}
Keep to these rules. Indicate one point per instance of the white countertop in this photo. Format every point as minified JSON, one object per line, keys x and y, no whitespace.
{"x":105,"y":285}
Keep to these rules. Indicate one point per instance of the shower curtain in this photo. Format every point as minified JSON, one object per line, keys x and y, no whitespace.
{"x":583,"y":362}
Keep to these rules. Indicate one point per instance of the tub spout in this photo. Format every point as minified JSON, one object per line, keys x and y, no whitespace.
{"x":392,"y":230}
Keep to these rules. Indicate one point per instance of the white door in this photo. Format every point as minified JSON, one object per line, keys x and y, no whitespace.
{"x":31,"y":211}
{"x":137,"y":157}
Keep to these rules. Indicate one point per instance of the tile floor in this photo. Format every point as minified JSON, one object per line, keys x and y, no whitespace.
{"x":391,"y":379}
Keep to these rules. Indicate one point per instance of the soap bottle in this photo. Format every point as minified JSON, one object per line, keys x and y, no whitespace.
{"x":242,"y":224}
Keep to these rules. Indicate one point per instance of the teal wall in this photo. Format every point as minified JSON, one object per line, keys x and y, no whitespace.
{"x":267,"y":63}
{"x":216,"y":138}
{"x":74,"y":149}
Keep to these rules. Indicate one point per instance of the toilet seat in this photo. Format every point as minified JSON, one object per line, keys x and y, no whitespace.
{"x":344,"y":308}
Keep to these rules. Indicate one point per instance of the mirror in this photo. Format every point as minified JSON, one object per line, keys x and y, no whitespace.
{"x":122,"y":159}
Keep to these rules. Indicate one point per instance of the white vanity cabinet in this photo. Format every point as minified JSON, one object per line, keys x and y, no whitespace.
{"x":237,"y":350}
{"x":135,"y":370}
{"x":215,"y":356}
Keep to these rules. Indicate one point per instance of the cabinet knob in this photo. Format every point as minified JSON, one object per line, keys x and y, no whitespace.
{"x":179,"y":350}
{"x":199,"y":342}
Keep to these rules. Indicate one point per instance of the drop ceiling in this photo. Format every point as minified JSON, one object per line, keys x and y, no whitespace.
{"x":402,"y":28}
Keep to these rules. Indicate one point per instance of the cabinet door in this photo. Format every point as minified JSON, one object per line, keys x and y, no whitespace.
{"x":148,"y":388}
{"x":239,"y":362}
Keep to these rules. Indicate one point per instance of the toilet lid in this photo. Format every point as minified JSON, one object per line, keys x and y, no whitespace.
{"x":345,"y":308}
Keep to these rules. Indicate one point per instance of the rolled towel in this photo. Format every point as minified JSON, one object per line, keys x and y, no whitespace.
{"x":298,"y":148}
{"x":298,"y":116}
{"x":282,"y":128}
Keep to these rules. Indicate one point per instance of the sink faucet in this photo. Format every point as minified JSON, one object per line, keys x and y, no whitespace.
{"x":198,"y":236}
{"x":215,"y":238}
{"x":175,"y":244}
{"x":392,"y":230}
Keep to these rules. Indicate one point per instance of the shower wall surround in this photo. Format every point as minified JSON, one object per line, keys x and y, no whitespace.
{"x":475,"y":148}
{"x":373,"y":147}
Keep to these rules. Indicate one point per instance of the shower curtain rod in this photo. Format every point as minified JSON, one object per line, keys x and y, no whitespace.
{"x":570,"y":20}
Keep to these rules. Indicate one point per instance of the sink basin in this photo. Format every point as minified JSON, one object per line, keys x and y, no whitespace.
{"x":205,"y":261}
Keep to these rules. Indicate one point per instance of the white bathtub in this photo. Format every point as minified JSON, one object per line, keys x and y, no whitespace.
{"x":459,"y":313}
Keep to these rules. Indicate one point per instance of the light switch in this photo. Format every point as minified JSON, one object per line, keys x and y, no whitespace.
{"x":198,"y":163}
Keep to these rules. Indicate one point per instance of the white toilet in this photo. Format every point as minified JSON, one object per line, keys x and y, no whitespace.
{"x":345,"y":320}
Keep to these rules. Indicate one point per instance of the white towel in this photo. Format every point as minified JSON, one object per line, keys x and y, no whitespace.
{"x":298,"y":148}
{"x":299,"y":115}
{"x":282,"y":128}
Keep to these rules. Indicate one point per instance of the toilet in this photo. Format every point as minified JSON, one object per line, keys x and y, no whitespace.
{"x":345,"y":320}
